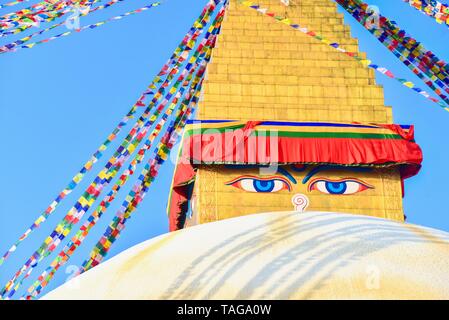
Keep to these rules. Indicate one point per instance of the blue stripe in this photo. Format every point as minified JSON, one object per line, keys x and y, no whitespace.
{"x":315,"y":124}
{"x":190,"y":121}
{"x":297,"y":124}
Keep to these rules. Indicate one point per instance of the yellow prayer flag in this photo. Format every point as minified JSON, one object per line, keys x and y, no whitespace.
{"x":83,"y":201}
{"x":366,"y":62}
{"x":102,"y":174}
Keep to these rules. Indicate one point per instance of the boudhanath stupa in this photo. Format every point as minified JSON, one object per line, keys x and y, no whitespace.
{"x":289,"y":182}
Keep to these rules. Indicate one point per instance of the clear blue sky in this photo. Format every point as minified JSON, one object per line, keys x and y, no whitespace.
{"x":58,"y":101}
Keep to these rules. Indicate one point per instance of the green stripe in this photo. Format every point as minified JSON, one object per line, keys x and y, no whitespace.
{"x":201,"y":130}
{"x":352,"y":135}
{"x":298,"y":134}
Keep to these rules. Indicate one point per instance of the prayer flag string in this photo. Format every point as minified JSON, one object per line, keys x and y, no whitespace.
{"x":74,"y":243}
{"x":336,"y":46}
{"x":139,"y":157}
{"x":46,"y":12}
{"x":95,"y":188}
{"x":12,"y":3}
{"x":175,"y":61}
{"x":12,"y":45}
{"x":435,"y":9}
{"x":205,"y":48}
{"x":138,"y":192}
{"x":145,"y":179}
{"x":397,"y":40}
{"x":42,"y":6}
{"x":96,"y":215}
{"x":82,"y":233}
{"x":90,"y":26}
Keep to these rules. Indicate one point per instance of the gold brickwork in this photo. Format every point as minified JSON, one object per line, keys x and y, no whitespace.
{"x":264,"y":70}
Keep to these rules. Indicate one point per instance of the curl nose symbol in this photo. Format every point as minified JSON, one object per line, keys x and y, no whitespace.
{"x":300,"y":202}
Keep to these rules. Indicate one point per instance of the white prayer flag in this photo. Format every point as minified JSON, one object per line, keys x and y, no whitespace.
{"x":285,"y":2}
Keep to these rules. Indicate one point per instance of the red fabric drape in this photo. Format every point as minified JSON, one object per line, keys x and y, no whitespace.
{"x":400,"y":151}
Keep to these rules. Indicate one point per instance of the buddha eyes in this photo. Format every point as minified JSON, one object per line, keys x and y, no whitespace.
{"x":347,"y":186}
{"x":339,"y":187}
{"x":257,"y":184}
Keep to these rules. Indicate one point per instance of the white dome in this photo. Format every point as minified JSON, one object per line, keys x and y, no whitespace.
{"x":284,"y":255}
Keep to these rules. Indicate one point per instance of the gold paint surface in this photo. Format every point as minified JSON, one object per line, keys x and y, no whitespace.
{"x":264,"y":70}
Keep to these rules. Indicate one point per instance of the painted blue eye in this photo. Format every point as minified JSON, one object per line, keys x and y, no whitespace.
{"x":263,"y":185}
{"x":336,"y":187}
{"x":342,"y":187}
